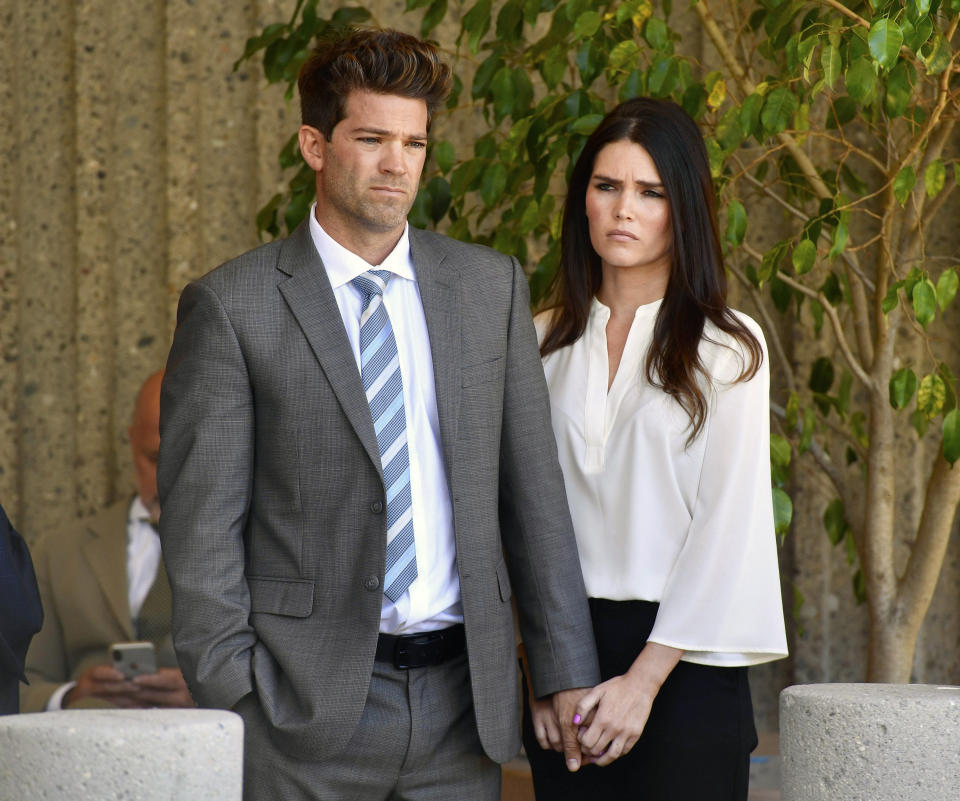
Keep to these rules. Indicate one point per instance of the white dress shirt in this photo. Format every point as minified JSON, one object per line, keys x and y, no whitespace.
{"x":433,"y":599}
{"x":690,"y":527}
{"x":143,"y":557}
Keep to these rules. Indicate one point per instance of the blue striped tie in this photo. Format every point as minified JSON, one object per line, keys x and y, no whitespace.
{"x":380,"y":370}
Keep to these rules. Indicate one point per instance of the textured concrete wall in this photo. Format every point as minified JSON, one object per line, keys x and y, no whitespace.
{"x":132,"y":158}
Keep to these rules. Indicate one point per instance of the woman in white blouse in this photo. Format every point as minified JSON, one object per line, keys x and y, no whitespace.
{"x":659,"y":397}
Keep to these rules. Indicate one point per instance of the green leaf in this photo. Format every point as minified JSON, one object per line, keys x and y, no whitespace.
{"x":433,"y":16}
{"x":779,"y":450}
{"x":501,"y":87}
{"x":655,"y":32}
{"x":861,"y":80}
{"x":892,"y":297}
{"x":951,"y":436}
{"x":510,"y":21}
{"x":782,"y":510}
{"x":750,"y":114}
{"x":484,"y":75}
{"x":736,"y":223}
{"x":899,"y":91}
{"x":729,"y":132}
{"x":903,"y":184}
{"x":804,"y":257}
{"x":946,"y":288}
{"x":662,"y":77}
{"x":493,"y":184}
{"x":625,"y":55}
{"x":885,"y":40}
{"x":476,"y":23}
{"x":831,"y":63}
{"x":771,"y":260}
{"x":903,"y":384}
{"x":934,"y":178}
{"x":587,"y":24}
{"x":936,"y":54}
{"x":859,"y":587}
{"x":931,"y":395}
{"x":924,"y":301}
{"x":778,"y":110}
{"x":439,"y":194}
{"x":821,"y":375}
{"x":835,"y":521}
{"x":591,"y":59}
{"x":554,"y":66}
{"x":586,"y":124}
{"x":529,"y":218}
{"x":841,"y":111}
{"x":840,"y":236}
{"x":445,"y":156}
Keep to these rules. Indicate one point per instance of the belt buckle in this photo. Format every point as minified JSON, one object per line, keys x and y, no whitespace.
{"x":428,"y":652}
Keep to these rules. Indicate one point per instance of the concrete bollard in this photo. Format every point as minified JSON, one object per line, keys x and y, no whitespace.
{"x":870,"y":742}
{"x":112,"y":754}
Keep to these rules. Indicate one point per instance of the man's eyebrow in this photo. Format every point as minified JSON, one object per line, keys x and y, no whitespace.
{"x":384,"y":132}
{"x":608,"y":180}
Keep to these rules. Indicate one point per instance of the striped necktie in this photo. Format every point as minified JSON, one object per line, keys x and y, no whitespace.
{"x":383,"y":383}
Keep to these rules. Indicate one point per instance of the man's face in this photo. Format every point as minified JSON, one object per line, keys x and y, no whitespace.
{"x":369,"y":171}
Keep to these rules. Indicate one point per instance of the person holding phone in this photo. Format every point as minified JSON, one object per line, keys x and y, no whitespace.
{"x":103,"y":585}
{"x":659,"y":398}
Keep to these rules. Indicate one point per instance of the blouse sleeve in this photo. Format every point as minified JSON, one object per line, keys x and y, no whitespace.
{"x":721,"y":602}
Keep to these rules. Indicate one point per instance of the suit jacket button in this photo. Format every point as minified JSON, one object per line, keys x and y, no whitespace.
{"x":372,"y":583}
{"x":376,"y":507}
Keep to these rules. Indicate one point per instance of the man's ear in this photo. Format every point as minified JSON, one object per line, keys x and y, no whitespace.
{"x":312,"y":147}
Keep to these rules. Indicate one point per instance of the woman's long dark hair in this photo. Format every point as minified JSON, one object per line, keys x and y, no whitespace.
{"x":697,"y":286}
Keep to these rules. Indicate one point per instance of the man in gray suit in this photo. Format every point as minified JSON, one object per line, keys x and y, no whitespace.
{"x":358,"y":473}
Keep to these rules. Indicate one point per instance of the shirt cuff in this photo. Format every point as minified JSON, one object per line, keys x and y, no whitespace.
{"x":56,"y":700}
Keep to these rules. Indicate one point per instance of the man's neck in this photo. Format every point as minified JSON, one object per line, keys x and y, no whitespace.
{"x":371,"y":246}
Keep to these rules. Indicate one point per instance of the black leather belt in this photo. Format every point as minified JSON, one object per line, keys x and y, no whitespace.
{"x":422,"y":649}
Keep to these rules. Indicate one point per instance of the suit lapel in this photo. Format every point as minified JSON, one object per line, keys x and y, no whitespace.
{"x":105,"y":549}
{"x":439,"y":285}
{"x":310,"y":298}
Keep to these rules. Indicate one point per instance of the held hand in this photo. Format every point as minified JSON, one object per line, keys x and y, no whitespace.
{"x":545,"y":724}
{"x":165,"y":688}
{"x":620,"y":707}
{"x":107,"y":683}
{"x":565,"y":704}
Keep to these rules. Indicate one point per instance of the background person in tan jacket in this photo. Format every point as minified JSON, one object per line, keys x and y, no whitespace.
{"x":100,"y":581}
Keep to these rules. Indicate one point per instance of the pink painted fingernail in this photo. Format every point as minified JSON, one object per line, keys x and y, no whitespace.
{"x":576,"y":719}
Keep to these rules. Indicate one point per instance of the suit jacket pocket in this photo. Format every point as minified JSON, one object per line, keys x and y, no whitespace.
{"x":481,"y":373}
{"x":279,"y":596}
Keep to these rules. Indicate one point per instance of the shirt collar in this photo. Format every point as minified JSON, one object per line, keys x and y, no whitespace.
{"x":343,"y":265}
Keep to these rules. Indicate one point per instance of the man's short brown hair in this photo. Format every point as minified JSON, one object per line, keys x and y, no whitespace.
{"x":369,"y":59}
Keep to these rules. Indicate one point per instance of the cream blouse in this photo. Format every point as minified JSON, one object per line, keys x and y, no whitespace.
{"x":689,"y":527}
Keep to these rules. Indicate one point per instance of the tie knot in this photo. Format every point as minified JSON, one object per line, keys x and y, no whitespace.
{"x":372,"y":282}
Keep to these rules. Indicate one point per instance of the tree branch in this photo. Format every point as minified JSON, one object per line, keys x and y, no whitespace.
{"x":933,"y":534}
{"x":835,"y":323}
{"x":769,"y":326}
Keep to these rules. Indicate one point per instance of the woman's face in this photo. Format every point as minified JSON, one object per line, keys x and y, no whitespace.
{"x":628,"y":213}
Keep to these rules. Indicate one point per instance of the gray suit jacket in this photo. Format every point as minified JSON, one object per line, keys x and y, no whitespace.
{"x":271,"y":490}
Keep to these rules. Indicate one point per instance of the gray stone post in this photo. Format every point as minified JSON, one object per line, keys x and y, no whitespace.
{"x":870,"y":742}
{"x":107,"y":755}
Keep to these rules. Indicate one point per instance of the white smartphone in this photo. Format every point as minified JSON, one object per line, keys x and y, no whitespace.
{"x":134,"y":658}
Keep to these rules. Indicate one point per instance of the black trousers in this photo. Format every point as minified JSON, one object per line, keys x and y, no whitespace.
{"x":697,"y":742}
